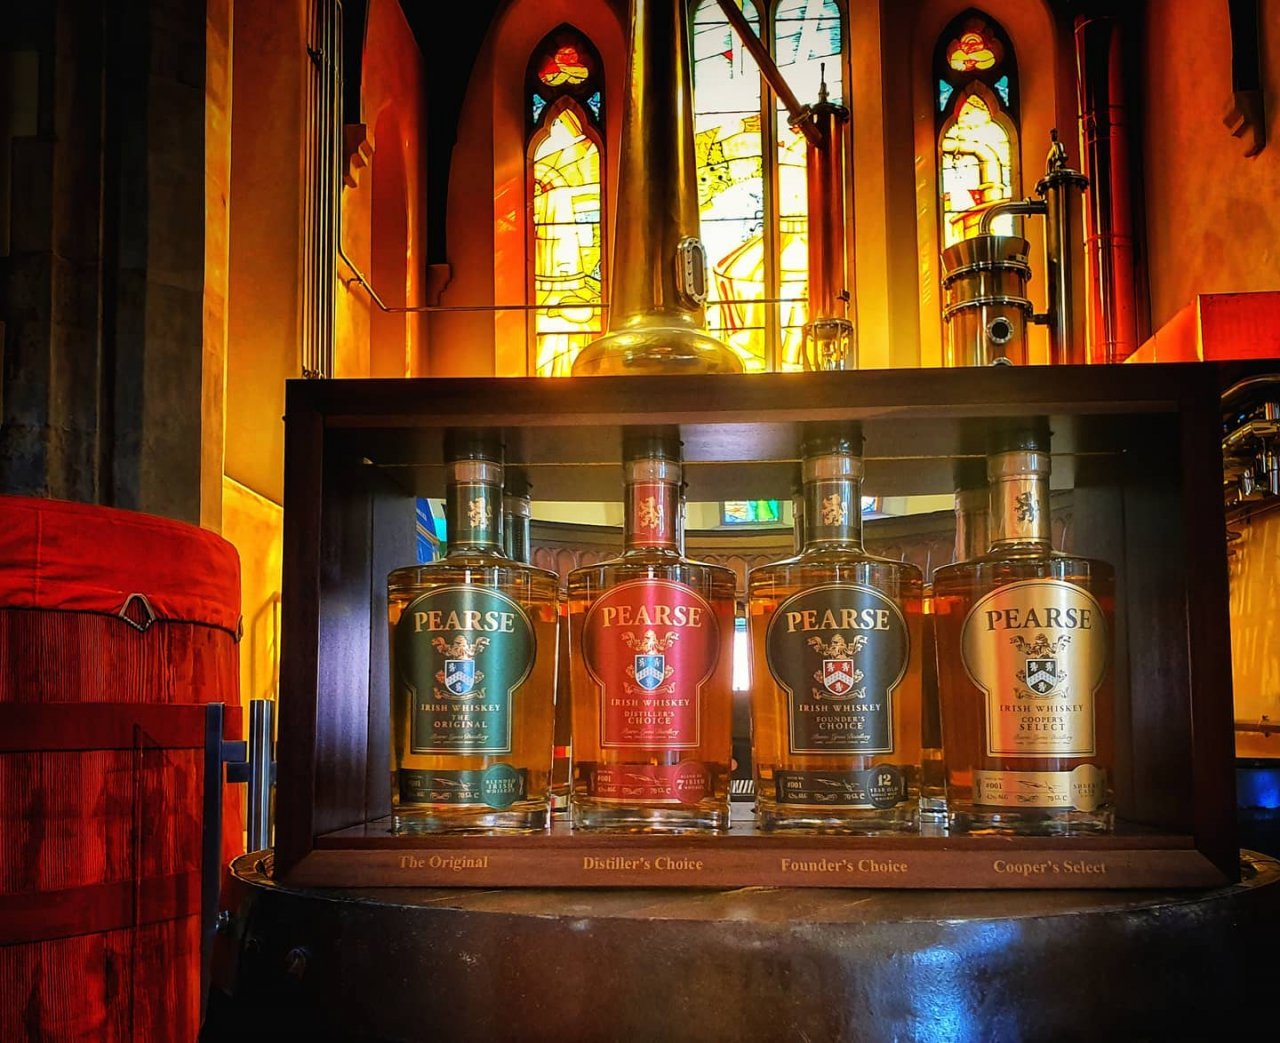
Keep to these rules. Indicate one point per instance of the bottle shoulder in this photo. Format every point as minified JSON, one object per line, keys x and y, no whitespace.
{"x":1000,"y":567}
{"x":468,"y":569}
{"x":835,"y":566}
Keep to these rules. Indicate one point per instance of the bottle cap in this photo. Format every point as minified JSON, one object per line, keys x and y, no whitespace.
{"x":516,"y":483}
{"x":473,"y":443}
{"x":970,"y":473}
{"x":651,"y":442}
{"x":1018,"y":435}
{"x":823,"y":437}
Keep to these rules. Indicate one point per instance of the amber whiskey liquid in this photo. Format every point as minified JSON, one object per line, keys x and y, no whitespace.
{"x":651,"y":659}
{"x":1024,"y":639}
{"x":473,"y":668}
{"x":836,"y":684}
{"x":971,"y":509}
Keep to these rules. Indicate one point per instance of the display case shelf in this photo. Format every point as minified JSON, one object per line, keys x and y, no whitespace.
{"x":1136,"y":446}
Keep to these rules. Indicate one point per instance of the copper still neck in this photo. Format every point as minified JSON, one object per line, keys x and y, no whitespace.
{"x":659,"y":275}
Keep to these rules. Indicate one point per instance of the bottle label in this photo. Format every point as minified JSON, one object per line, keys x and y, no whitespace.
{"x":499,"y":786}
{"x":685,"y":783}
{"x":1038,"y":649}
{"x":838,"y":651}
{"x":883,"y":786}
{"x":833,"y":511}
{"x":655,"y":511}
{"x":1082,"y":788}
{"x":461,"y":652}
{"x":474,"y":512}
{"x":650,"y":645}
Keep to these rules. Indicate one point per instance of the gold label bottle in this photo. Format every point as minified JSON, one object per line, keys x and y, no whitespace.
{"x":1024,"y":640}
{"x":650,"y":637}
{"x":473,"y":667}
{"x":835,"y":633}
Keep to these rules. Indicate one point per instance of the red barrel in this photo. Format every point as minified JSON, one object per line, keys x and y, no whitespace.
{"x":113,"y":626}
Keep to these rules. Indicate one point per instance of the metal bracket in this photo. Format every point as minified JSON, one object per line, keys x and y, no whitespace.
{"x":254,"y":764}
{"x":149,"y":615}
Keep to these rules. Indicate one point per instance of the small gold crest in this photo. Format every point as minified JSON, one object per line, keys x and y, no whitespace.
{"x":647,"y":513}
{"x":834,"y":510}
{"x":478,"y":512}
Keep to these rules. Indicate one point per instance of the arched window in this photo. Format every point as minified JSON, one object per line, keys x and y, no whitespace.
{"x":751,"y":170}
{"x":564,"y":90}
{"x":977,"y":82}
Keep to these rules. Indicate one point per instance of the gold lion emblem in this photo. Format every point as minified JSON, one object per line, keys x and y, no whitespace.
{"x":834,"y":511}
{"x":648,"y":514}
{"x":478,"y":512}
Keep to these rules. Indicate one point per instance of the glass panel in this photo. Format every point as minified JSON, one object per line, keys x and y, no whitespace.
{"x":976,"y":171}
{"x":730,"y":180}
{"x":594,"y":103}
{"x":539,"y":103}
{"x":567,"y":254}
{"x":945,"y":90}
{"x":565,"y":66}
{"x":976,"y":49}
{"x":1002,"y":87}
{"x":808,"y":47}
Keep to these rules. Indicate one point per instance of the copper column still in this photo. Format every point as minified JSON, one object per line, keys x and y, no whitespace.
{"x":830,"y":338}
{"x":1104,"y":152}
{"x":988,"y":266}
{"x":657,"y":317}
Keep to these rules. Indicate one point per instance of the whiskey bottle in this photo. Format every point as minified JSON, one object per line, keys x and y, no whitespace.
{"x":473,"y":667}
{"x":971,"y":508}
{"x":835,"y":633}
{"x":650,"y":636}
{"x":1024,"y":650}
{"x":517,"y":515}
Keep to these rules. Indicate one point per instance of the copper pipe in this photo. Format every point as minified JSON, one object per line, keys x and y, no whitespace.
{"x":773,"y":76}
{"x":1104,"y":151}
{"x":828,"y":285}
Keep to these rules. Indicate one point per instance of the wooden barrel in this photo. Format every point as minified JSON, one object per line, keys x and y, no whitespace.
{"x":113,"y":627}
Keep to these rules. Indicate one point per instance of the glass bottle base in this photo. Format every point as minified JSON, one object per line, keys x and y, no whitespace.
{"x":1030,"y":822}
{"x":607,"y":817}
{"x":861,"y":822}
{"x":436,"y":819}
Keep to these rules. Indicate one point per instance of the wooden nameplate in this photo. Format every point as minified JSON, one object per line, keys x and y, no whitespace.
{"x":370,"y":856}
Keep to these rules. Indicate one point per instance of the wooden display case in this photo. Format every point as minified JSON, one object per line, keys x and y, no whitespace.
{"x":1139,"y":446}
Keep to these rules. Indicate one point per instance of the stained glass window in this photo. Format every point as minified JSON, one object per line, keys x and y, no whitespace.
{"x":751,"y":172}
{"x":807,"y":48}
{"x":728,"y":143}
{"x":567,"y":253}
{"x":564,"y":84}
{"x":977,"y":125}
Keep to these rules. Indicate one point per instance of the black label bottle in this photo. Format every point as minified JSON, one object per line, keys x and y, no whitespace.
{"x":473,"y":667}
{"x":835,"y":634}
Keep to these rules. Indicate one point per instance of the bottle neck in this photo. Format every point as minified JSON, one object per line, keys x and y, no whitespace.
{"x":473,"y":506}
{"x":1019,"y":492}
{"x":653,"y":504}
{"x":832,"y":501}
{"x":517,"y":514}
{"x":972,"y":530}
{"x":797,"y":520}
